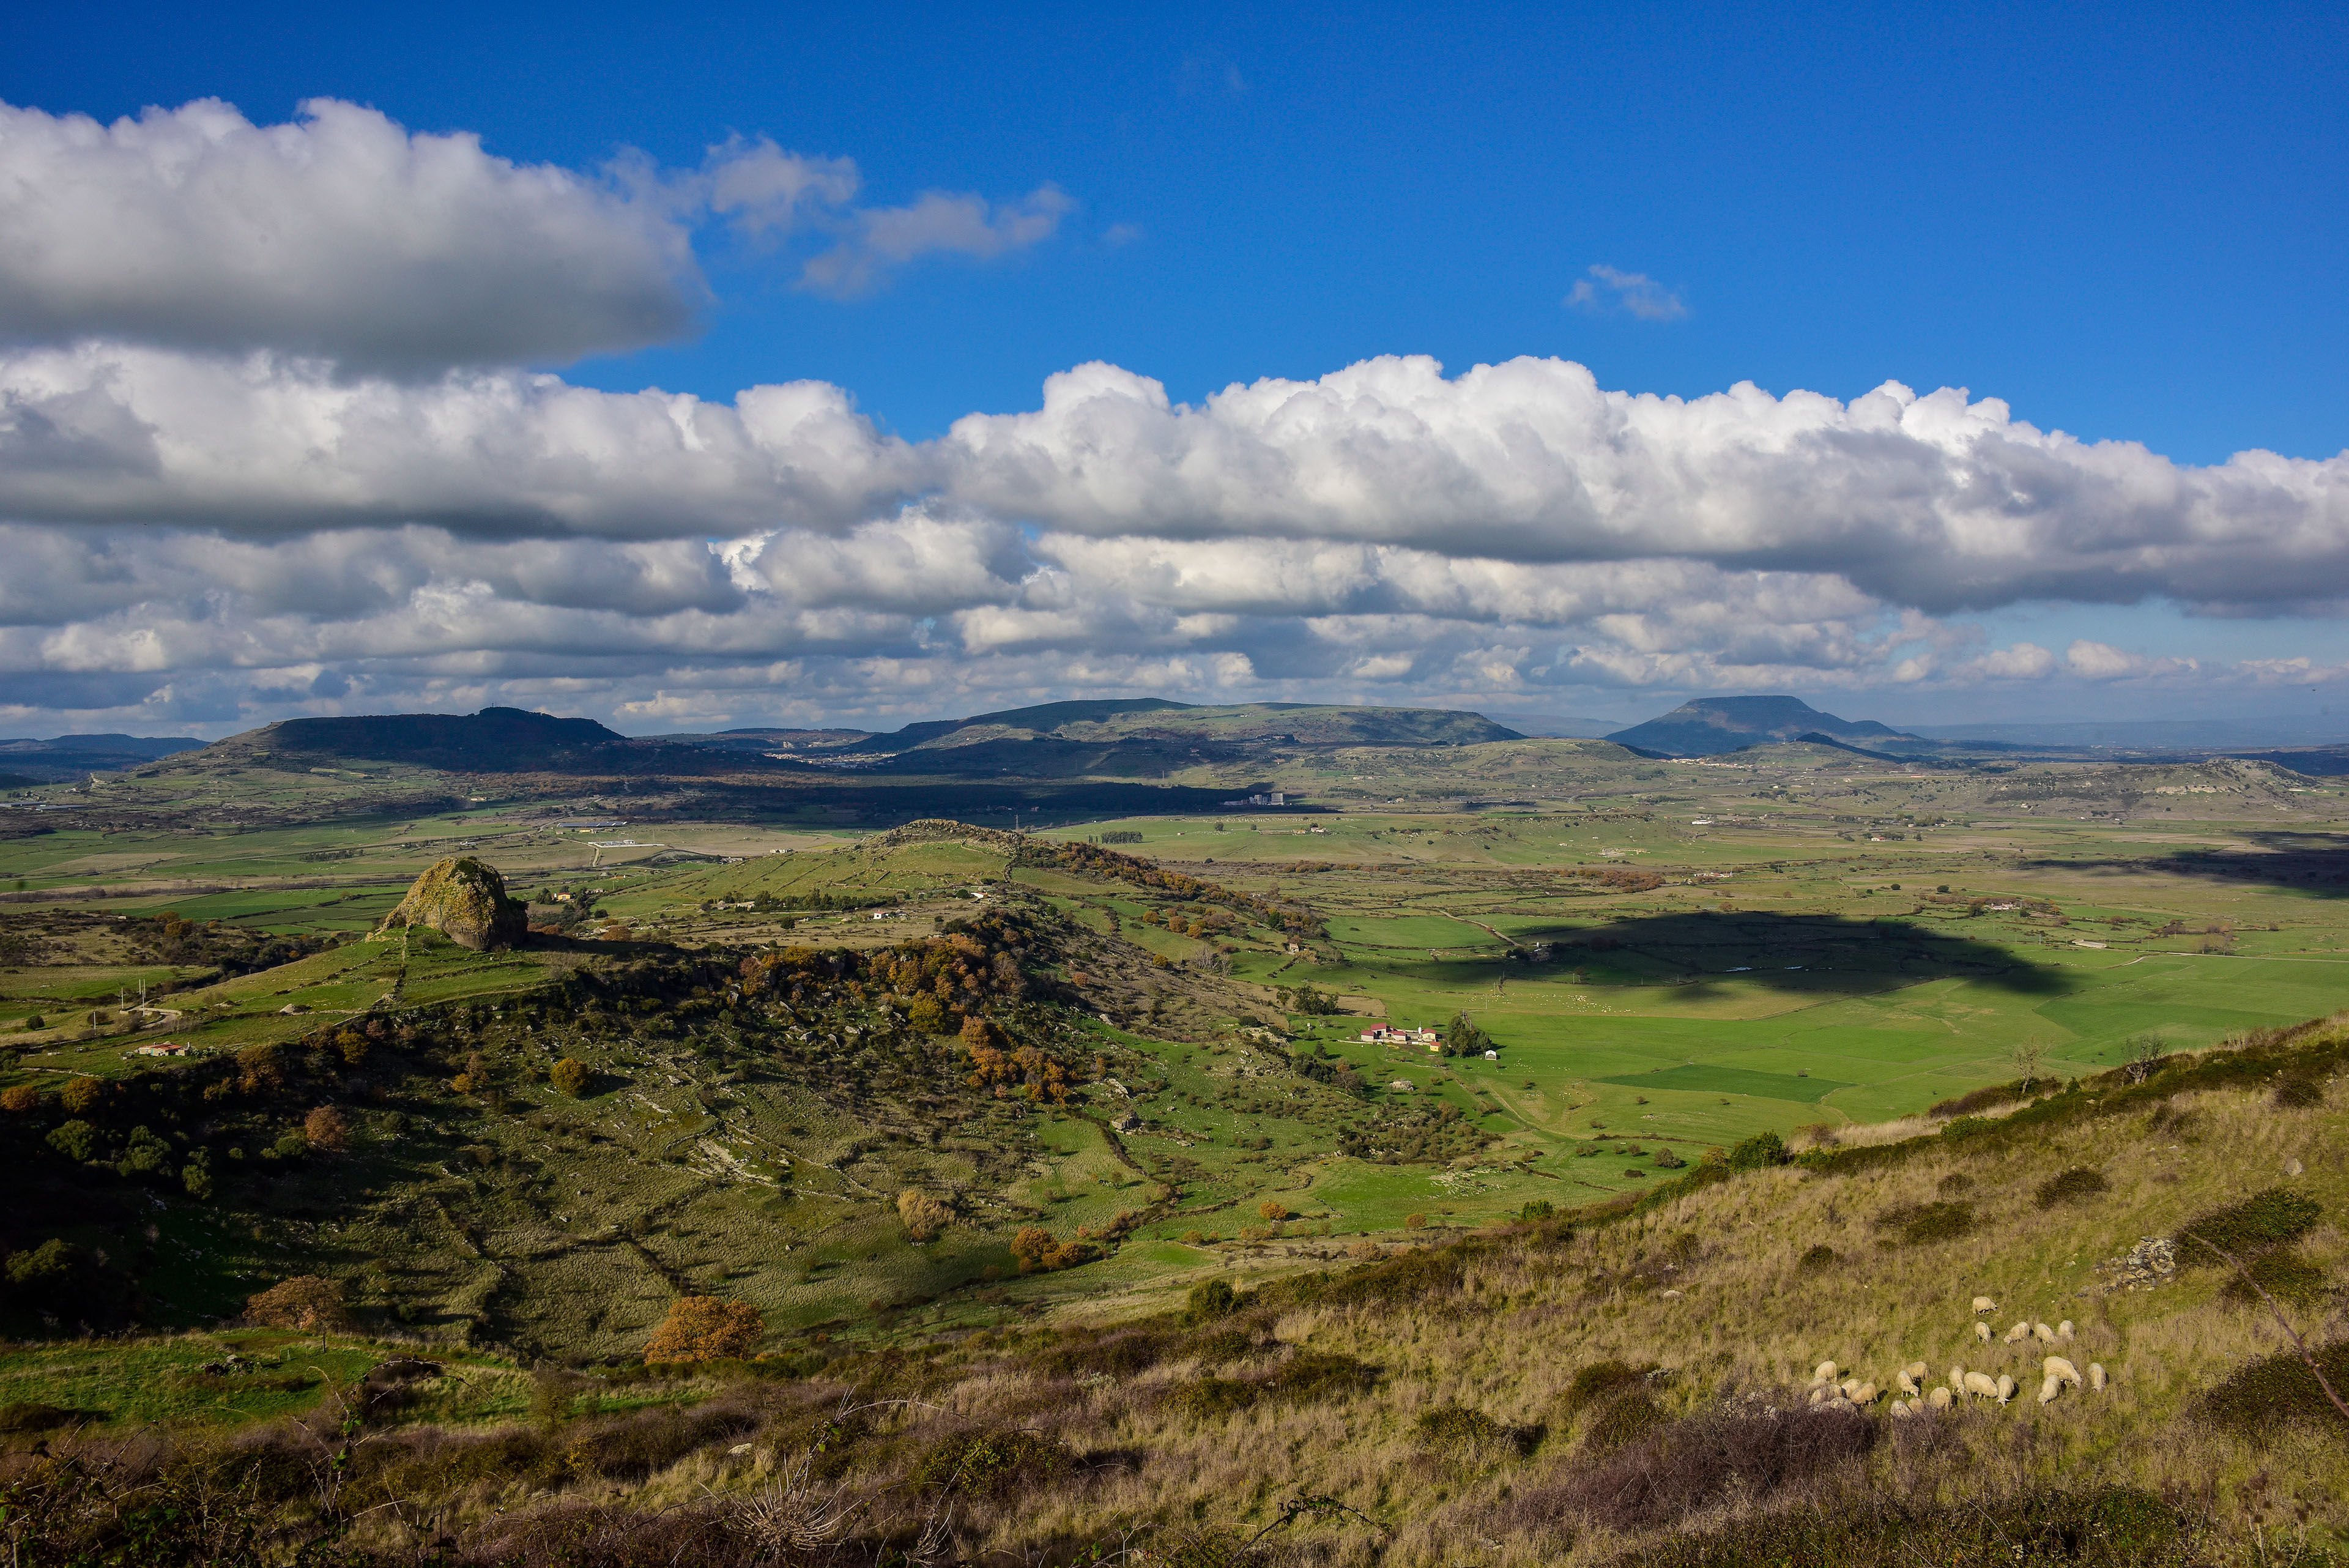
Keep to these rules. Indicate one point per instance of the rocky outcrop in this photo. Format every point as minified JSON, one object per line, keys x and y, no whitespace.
{"x":464,"y":900}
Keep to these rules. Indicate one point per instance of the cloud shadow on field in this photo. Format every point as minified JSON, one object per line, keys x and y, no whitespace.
{"x":1817,"y":954}
{"x":2314,"y":863}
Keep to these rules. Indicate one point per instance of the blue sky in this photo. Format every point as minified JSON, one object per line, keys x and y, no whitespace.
{"x":2125,"y":223}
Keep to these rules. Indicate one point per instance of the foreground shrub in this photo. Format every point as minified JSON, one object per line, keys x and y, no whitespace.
{"x":990,"y":1464}
{"x":2258,"y":1224}
{"x":1669,"y":1471}
{"x":2263,"y":1397}
{"x":1461,"y":1434}
{"x":1314,"y":1375}
{"x":305,"y":1303}
{"x":1597,"y":1381}
{"x":1978,"y":1100}
{"x":2102,"y":1527}
{"x":1209,"y":1300}
{"x":1921,"y":1224}
{"x":2070,"y":1187}
{"x":706,"y":1328}
{"x":1208,"y":1397}
{"x":1623,"y":1420}
{"x":2284,"y":1275}
{"x":1759,"y":1152}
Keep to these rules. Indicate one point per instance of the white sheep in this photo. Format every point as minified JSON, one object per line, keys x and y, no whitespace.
{"x":1979,"y":1385}
{"x":1984,"y":1303}
{"x":1902,"y":1410}
{"x":2020,"y":1331}
{"x":1981,"y":1331}
{"x":1826,"y":1373}
{"x":2005,"y":1387}
{"x":2096,"y":1376}
{"x":1866,"y":1393}
{"x":2063,"y":1329}
{"x":1915,"y":1369}
{"x":2062,"y":1371}
{"x":1939,"y":1398}
{"x":1906,"y":1383}
{"x":1957,"y":1379}
{"x":2050,"y":1386}
{"x":1818,"y":1394}
{"x":2042,"y":1332}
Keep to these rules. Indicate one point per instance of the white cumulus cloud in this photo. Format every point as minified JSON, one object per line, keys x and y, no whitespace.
{"x":345,"y":236}
{"x":341,"y":234}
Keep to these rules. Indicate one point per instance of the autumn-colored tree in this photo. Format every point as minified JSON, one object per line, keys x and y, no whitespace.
{"x":923,"y":1214}
{"x":326,"y":1128}
{"x":706,"y":1328}
{"x":1032,"y":1249}
{"x":82,"y":1094}
{"x":978,"y":1034}
{"x":19,"y":1099}
{"x":306,"y":1302}
{"x":570,"y":1075}
{"x":926,"y":1013}
{"x":1272,"y":1210}
{"x":1414,"y":1222}
{"x":353,"y":1045}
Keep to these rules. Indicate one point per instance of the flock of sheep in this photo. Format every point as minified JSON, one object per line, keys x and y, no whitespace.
{"x":1828,"y":1386}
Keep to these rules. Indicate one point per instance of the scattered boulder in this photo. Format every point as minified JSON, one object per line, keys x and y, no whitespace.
{"x":465,"y":900}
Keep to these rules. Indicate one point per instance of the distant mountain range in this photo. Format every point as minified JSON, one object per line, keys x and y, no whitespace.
{"x":1137,"y":739}
{"x":1712,"y":725}
{"x":1142,"y":738}
{"x":75,"y":756}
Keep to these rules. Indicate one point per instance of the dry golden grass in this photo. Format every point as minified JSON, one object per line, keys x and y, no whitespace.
{"x":1706,"y":1289}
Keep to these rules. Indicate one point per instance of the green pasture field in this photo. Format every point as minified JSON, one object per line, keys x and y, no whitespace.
{"x":1794,"y":963}
{"x":151,"y":1381}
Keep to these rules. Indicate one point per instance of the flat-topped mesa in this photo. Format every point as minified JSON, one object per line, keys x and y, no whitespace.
{"x":465,"y":900}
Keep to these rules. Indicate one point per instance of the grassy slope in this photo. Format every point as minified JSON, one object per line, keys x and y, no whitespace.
{"x":1704,"y":1287}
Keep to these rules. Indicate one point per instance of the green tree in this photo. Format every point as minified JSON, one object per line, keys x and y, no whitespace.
{"x":570,"y":1077}
{"x":1463,"y":1038}
{"x":77,"y":1140}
